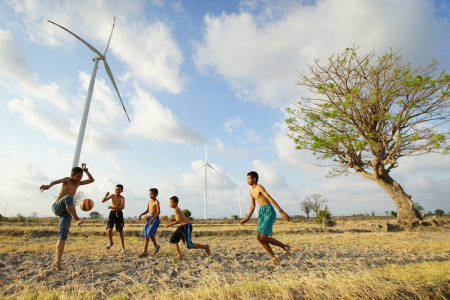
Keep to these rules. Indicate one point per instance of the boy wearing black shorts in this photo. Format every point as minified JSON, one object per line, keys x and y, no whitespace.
{"x":183,"y":232}
{"x":115,"y":215}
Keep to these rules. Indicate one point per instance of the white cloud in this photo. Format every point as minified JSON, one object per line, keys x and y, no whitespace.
{"x":252,"y":135}
{"x":61,"y":157}
{"x":149,"y":50}
{"x":177,"y":6}
{"x":259,"y":50}
{"x":154,"y":121}
{"x":232,"y":123}
{"x":114,"y":161}
{"x":20,"y":76}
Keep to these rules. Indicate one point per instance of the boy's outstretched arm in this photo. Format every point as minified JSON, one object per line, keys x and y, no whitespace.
{"x":46,"y":187}
{"x":177,"y":216}
{"x":252,"y":209}
{"x":144,"y":213}
{"x":107,"y":197}
{"x":157,"y":213}
{"x":90,"y":180}
{"x":263,"y":191}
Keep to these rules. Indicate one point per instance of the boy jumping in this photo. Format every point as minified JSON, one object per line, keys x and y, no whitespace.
{"x":183,"y":232}
{"x":115,"y":215}
{"x":64,"y":207}
{"x":152,"y":224}
{"x":267,"y":217}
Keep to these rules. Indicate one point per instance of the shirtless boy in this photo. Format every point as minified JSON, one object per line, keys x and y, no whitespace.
{"x":64,"y":207}
{"x":115,"y":215}
{"x":152,"y":224}
{"x":183,"y":232}
{"x":267,"y":217}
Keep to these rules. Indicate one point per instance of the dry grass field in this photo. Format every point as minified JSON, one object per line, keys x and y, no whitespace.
{"x":356,"y":259}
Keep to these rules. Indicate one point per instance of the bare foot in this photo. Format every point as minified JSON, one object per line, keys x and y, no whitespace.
{"x":143,"y":254}
{"x":208,"y":251}
{"x":287,"y":250}
{"x":56,"y":267}
{"x":179,"y":258}
{"x":79,"y":222}
{"x":272,"y":262}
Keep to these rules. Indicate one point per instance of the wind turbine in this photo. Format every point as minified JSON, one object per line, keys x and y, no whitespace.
{"x":87,"y":104}
{"x":207,"y":165}
{"x":241,"y":192}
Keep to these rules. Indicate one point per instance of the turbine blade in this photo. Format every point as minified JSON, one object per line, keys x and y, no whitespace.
{"x":214,"y":170}
{"x":83,"y":41}
{"x":110,"y":36}
{"x":108,"y":70}
{"x":200,"y":167}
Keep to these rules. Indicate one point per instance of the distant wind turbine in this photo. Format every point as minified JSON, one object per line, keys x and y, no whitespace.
{"x":87,"y":103}
{"x":241,"y":192}
{"x":207,"y":165}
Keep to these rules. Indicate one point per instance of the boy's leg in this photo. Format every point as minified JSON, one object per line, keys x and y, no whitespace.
{"x":73,"y":212}
{"x":59,"y":252}
{"x":265,"y":245}
{"x":110,"y":236}
{"x":177,"y":250}
{"x":200,"y":246}
{"x":64,"y":226}
{"x":154,"y":241}
{"x":122,"y":239}
{"x":147,"y":239}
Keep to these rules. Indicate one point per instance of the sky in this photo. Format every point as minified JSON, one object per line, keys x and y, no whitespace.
{"x":189,"y":72}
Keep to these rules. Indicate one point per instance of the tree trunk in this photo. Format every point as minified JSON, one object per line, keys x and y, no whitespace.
{"x":405,"y":207}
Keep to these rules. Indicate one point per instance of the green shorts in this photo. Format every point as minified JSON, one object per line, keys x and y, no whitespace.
{"x":267,"y":217}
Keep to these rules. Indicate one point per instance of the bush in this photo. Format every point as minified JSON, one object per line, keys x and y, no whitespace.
{"x":2,"y":217}
{"x":321,"y":214}
{"x":439,"y":212}
{"x":95,"y":215}
{"x":394,"y":214}
{"x":235,"y":217}
{"x":20,"y":218}
{"x":187,"y":213}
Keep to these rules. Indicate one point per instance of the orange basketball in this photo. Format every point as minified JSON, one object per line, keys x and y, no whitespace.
{"x":87,"y":204}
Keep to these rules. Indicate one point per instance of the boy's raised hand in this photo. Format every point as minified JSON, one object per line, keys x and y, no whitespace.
{"x":83,"y":166}
{"x":107,"y":194}
{"x":44,"y":187}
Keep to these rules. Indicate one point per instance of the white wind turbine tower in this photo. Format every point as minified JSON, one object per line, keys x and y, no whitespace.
{"x":207,"y":165}
{"x":241,"y":192}
{"x":87,"y":103}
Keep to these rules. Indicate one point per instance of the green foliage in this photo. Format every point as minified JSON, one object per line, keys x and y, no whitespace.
{"x":95,"y":215}
{"x":172,"y":216}
{"x":2,"y":217}
{"x":394,"y":214}
{"x":418,"y":207}
{"x":439,"y":212}
{"x":235,"y":217}
{"x":20,"y":218}
{"x":321,"y":214}
{"x":187,"y":213}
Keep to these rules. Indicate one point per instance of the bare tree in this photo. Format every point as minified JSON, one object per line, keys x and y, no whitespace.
{"x":306,"y":206}
{"x":79,"y":196}
{"x":364,"y":116}
{"x":316,"y":200}
{"x":33,"y":215}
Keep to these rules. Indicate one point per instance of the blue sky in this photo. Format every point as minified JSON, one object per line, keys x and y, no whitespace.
{"x":189,"y":71}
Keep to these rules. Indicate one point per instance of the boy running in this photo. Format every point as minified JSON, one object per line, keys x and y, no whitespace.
{"x":267,"y":217}
{"x":183,"y":232}
{"x":115,"y":215}
{"x":64,"y":207}
{"x":152,"y":224}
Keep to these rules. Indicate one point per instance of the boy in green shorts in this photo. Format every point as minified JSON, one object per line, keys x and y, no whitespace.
{"x":267,"y":217}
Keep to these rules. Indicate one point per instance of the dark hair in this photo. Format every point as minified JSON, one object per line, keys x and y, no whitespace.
{"x":154,"y":191}
{"x":174,"y":199}
{"x":253,"y":174}
{"x":76,"y":170}
{"x":121,"y":186}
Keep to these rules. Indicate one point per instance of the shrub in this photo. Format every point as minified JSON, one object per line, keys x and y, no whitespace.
{"x":439,"y":212}
{"x":235,"y":217}
{"x":95,"y":215}
{"x":394,"y":214}
{"x":187,"y":213}
{"x":321,"y":214}
{"x":20,"y":218}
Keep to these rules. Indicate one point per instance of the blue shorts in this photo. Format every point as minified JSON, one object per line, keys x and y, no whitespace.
{"x":150,"y":229}
{"x":267,"y":217}
{"x":59,"y":208}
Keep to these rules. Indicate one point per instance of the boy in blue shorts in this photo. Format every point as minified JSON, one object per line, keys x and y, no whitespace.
{"x":64,"y":207}
{"x":183,"y":232}
{"x":152,"y":223}
{"x":267,"y":217}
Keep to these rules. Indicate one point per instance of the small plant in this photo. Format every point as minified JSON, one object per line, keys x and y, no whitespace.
{"x":321,"y":214}
{"x":394,"y":214}
{"x":386,"y":212}
{"x":187,"y":213}
{"x":439,"y":212}
{"x":235,"y":217}
{"x":20,"y":218}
